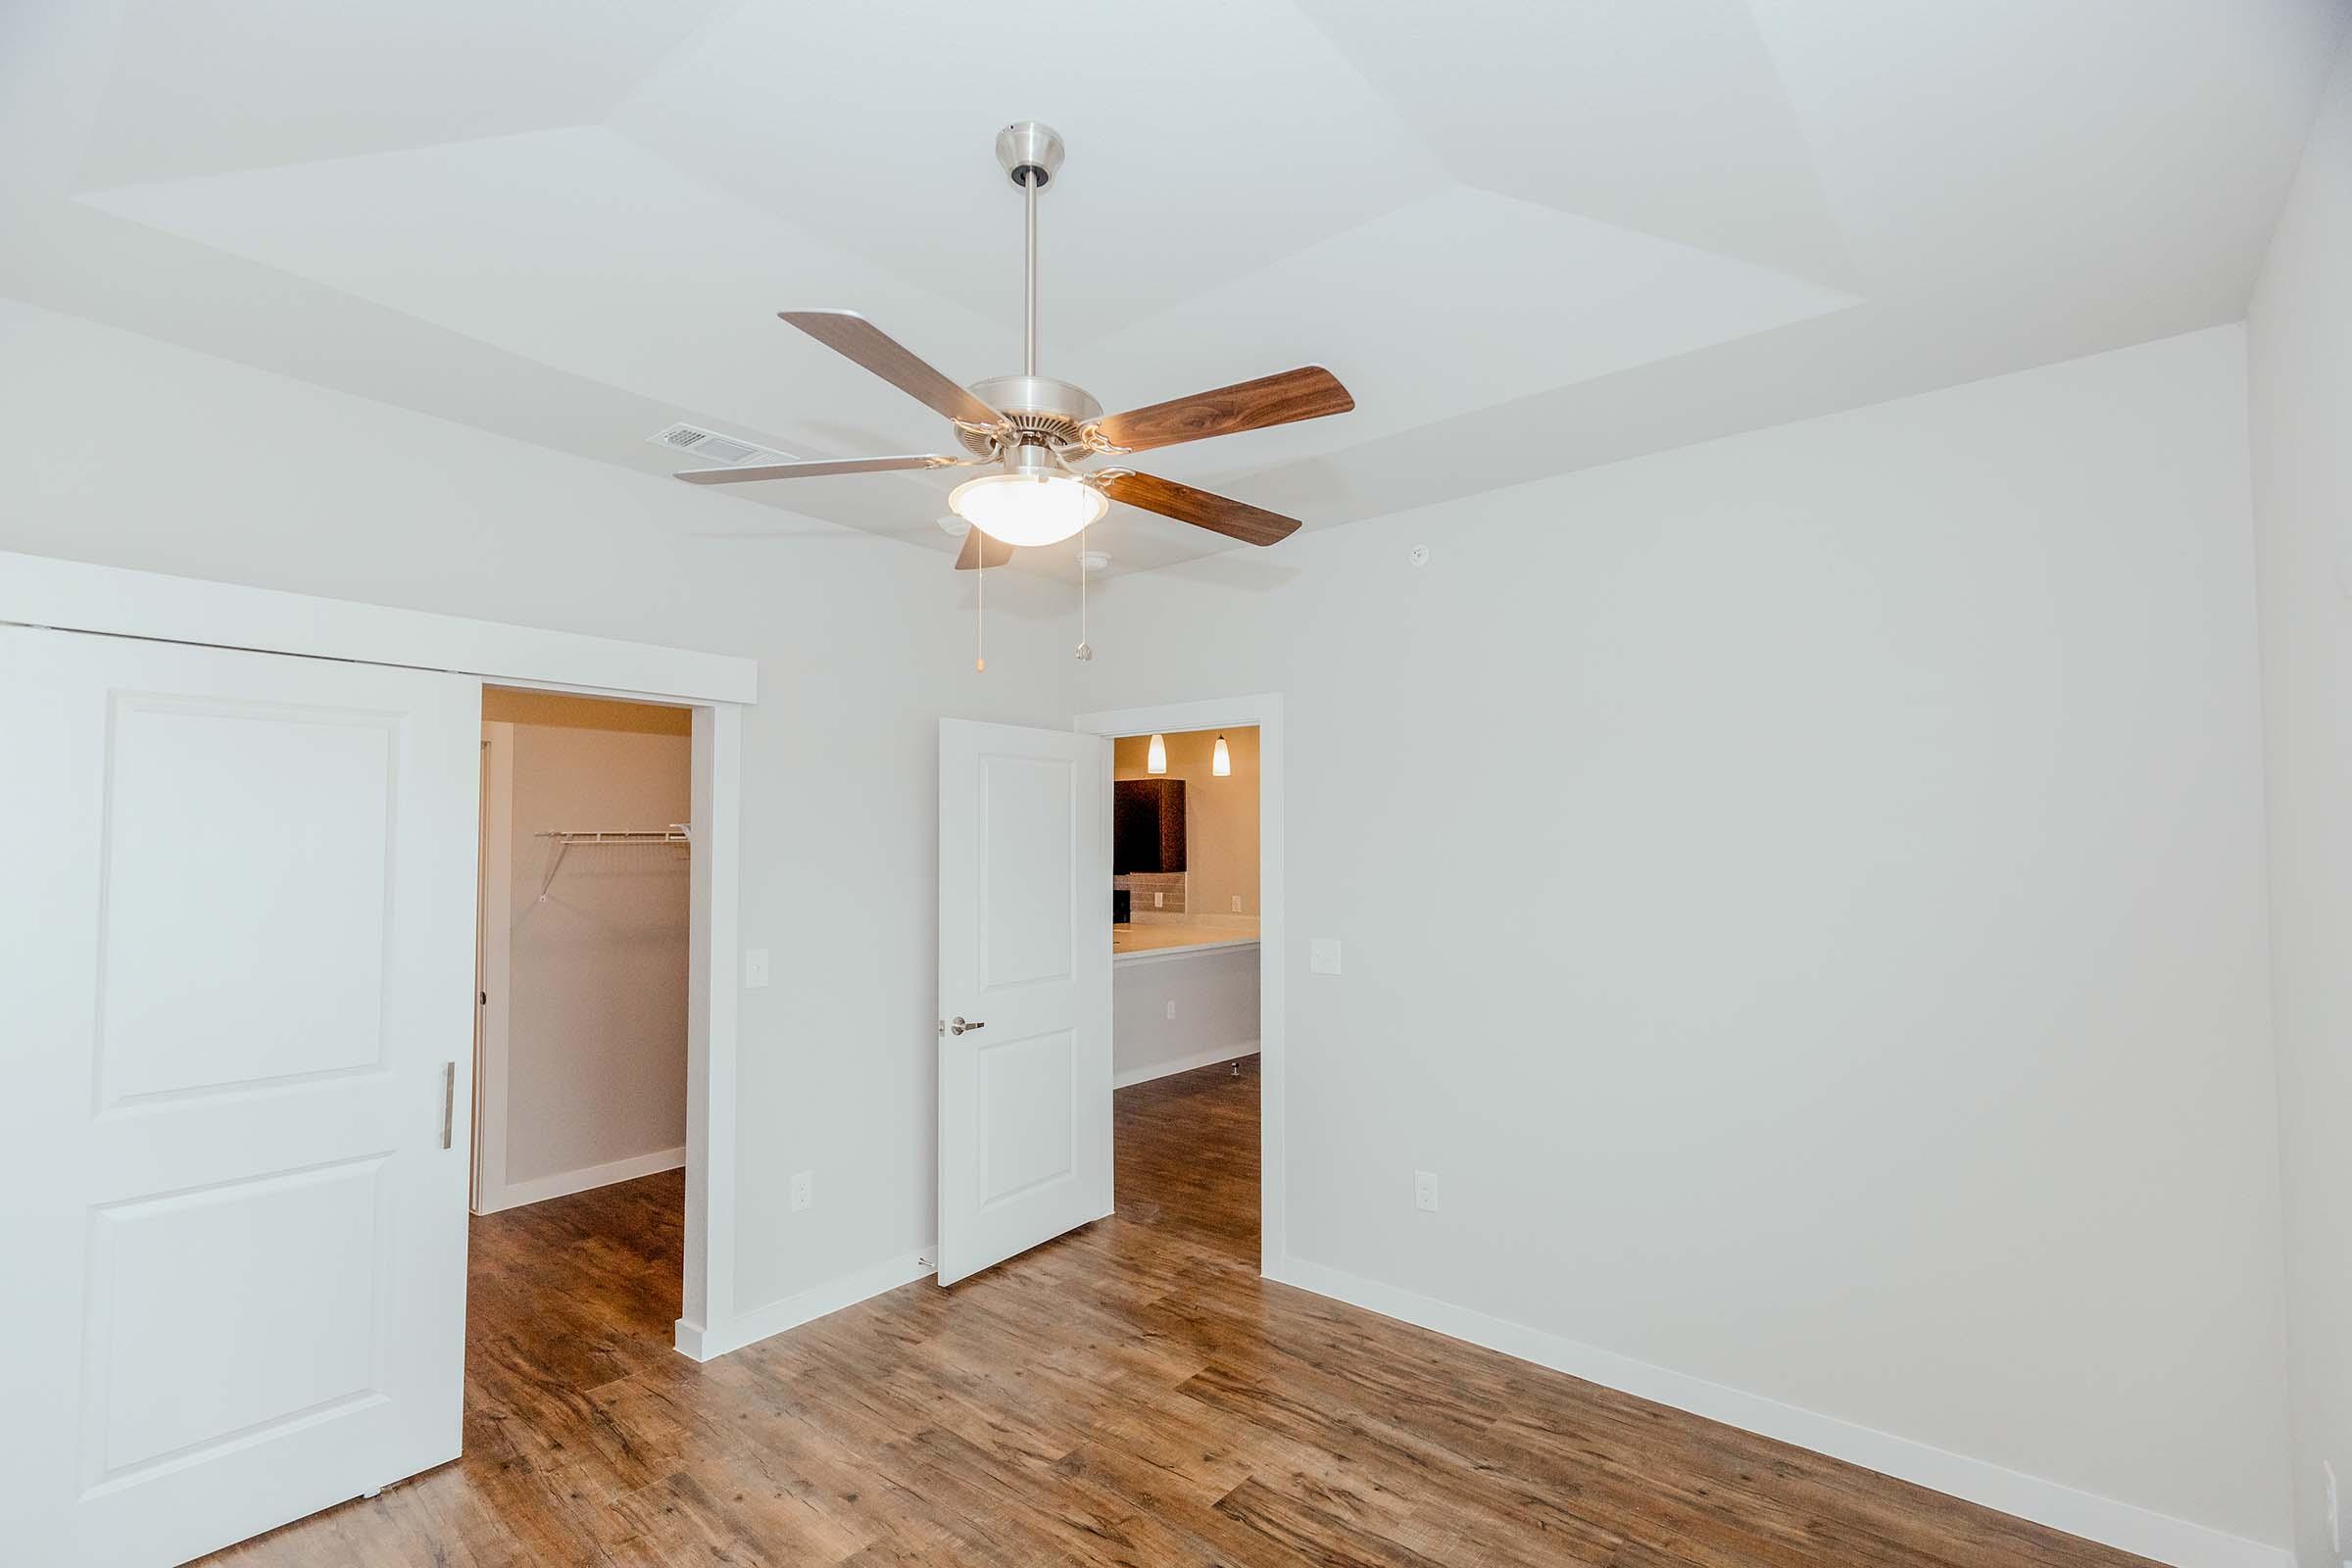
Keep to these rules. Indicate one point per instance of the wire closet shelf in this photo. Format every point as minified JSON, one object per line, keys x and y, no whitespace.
{"x":565,"y":838}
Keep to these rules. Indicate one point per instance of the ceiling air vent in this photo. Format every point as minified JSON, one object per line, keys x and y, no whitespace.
{"x":713,"y":446}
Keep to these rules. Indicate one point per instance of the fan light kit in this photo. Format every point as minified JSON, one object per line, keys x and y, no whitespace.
{"x":1033,"y":433}
{"x":1017,"y":509}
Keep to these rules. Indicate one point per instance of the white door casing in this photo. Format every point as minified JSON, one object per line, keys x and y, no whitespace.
{"x":1024,"y":961}
{"x":236,"y":930}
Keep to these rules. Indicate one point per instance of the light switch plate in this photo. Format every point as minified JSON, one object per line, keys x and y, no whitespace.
{"x":755,"y":968}
{"x":1323,"y":954}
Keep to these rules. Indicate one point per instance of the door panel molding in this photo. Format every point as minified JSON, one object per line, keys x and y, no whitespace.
{"x":241,"y":982}
{"x":1024,"y":954}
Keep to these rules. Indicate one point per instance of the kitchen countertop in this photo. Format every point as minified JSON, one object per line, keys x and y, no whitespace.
{"x":1178,"y":936}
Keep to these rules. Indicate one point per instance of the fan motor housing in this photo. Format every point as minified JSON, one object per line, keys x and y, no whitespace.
{"x":1041,"y":410}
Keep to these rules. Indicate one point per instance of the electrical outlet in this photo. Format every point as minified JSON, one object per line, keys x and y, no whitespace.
{"x":804,"y":1190}
{"x":755,"y":968}
{"x":1424,"y":1191}
{"x":1237,"y":904}
{"x":1160,"y":901}
{"x":1171,"y":1009}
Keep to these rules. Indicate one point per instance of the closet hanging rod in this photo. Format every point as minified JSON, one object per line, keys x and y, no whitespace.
{"x":565,"y":838}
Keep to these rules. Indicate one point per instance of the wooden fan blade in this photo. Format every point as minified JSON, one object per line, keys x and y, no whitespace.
{"x":816,"y":468}
{"x":1307,"y":393}
{"x":982,"y":550}
{"x":854,"y":337}
{"x":1236,"y":519}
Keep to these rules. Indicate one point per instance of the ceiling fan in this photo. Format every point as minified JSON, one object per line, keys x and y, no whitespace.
{"x":1029,"y":430}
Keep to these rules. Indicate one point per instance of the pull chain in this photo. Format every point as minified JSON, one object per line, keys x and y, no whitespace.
{"x":1085,"y":652}
{"x":980,"y":616}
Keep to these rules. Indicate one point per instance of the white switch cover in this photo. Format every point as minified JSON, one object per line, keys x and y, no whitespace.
{"x":1323,"y":954}
{"x":755,"y":968}
{"x":1158,"y":899}
{"x":1171,"y":1007}
{"x":1424,"y":1191}
{"x":804,"y":1190}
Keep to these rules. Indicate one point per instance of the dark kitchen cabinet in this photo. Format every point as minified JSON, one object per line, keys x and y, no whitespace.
{"x":1147,"y":825}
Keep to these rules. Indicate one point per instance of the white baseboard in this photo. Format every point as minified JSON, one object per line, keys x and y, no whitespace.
{"x":2122,"y":1525}
{"x":1169,"y":1069}
{"x":704,"y":1341}
{"x":564,"y":1183}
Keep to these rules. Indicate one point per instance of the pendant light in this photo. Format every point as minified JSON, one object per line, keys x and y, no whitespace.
{"x":1155,"y":760}
{"x":1221,"y":763}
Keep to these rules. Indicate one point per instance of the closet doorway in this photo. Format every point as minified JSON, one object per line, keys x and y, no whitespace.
{"x":584,"y":920}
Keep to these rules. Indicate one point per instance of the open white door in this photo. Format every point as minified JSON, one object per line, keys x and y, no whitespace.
{"x":1024,"y":989}
{"x":235,"y":932}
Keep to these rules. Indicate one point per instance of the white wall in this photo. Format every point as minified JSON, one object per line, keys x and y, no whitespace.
{"x":596,"y":976}
{"x":2300,"y":352}
{"x":116,"y":449}
{"x":1215,"y":997}
{"x":1813,"y":922}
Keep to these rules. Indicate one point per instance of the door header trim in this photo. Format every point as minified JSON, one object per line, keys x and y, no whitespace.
{"x":117,"y":601}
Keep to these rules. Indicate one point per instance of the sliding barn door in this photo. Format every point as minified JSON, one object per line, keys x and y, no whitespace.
{"x":1024,"y":989}
{"x":237,"y":928}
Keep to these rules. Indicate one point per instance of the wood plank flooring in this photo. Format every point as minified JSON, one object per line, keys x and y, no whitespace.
{"x":1129,"y":1394}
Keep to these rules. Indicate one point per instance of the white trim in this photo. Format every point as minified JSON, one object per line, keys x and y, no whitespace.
{"x":713,"y":992}
{"x":1264,"y":711}
{"x":1192,"y":1064}
{"x":1162,"y":955}
{"x":564,"y":1183}
{"x":805,"y":1306}
{"x":2122,"y":1525}
{"x":496,"y":900}
{"x":77,"y":596}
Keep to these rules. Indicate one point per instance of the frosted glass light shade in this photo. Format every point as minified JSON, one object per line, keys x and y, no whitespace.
{"x":1220,"y":763}
{"x":1155,"y":760}
{"x":1020,"y":509}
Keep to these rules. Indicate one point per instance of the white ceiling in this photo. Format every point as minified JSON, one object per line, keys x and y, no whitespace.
{"x":1530,"y":237}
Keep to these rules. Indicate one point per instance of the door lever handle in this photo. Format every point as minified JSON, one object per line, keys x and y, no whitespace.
{"x":956,"y":1026}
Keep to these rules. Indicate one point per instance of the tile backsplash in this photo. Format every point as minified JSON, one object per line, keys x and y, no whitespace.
{"x":1141,"y":885}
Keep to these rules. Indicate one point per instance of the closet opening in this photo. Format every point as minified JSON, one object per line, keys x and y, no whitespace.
{"x":578,"y":1249}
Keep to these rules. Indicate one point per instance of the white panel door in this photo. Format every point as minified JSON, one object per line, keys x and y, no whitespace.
{"x":236,"y":929}
{"x":1024,"y":989}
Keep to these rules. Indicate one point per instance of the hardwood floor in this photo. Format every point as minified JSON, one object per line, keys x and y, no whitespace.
{"x":1129,"y":1394}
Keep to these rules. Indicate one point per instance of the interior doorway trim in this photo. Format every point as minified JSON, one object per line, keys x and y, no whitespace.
{"x":1264,"y":711}
{"x":115,"y":600}
{"x":497,"y":892}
